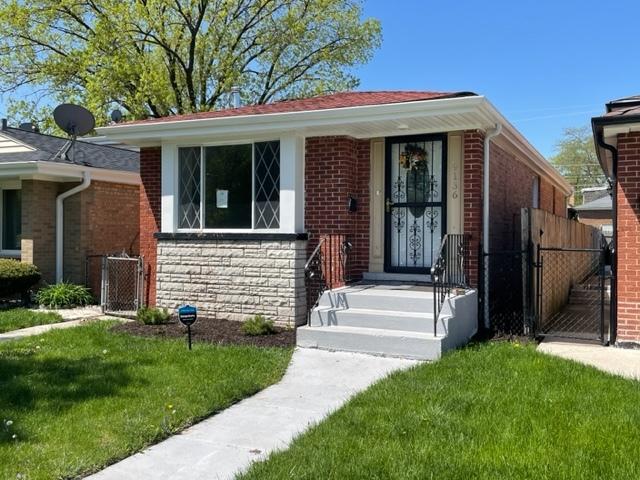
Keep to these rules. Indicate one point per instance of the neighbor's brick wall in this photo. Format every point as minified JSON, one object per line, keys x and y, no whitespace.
{"x":149,"y":217}
{"x":628,"y":237}
{"x":336,"y":167}
{"x":101,"y":219}
{"x":39,"y":226}
{"x":110,"y":225}
{"x":234,"y":279}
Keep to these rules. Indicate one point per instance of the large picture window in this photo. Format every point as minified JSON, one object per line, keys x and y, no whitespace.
{"x":229,"y":186}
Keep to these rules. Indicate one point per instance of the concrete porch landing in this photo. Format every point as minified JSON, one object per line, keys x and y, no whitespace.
{"x":389,"y":319}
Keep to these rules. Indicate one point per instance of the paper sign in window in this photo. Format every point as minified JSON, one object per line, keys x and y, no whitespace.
{"x":222,"y":198}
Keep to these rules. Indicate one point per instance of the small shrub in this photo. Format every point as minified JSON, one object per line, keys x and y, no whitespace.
{"x":17,"y":277}
{"x":153,"y":316}
{"x":258,"y":325}
{"x":64,"y":295}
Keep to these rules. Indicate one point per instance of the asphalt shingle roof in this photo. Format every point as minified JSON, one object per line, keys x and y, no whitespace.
{"x":603,"y":203}
{"x":47,"y":148}
{"x":322,"y":102}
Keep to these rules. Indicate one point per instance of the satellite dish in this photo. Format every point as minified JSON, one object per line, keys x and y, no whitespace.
{"x":116,"y":116}
{"x":74,"y":119}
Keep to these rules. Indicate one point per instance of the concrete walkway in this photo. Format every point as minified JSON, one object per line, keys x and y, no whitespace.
{"x":72,"y":318}
{"x":619,"y":361}
{"x":316,"y":383}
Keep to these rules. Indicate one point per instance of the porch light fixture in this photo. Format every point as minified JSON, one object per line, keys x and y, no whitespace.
{"x":403,"y":126}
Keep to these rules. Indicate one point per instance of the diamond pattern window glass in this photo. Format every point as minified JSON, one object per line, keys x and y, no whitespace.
{"x":189,"y":192}
{"x":267,"y":185}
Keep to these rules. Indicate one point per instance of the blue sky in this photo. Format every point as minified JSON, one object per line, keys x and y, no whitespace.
{"x":545,"y":65}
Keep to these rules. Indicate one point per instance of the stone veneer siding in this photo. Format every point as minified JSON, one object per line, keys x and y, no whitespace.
{"x":233,"y":279}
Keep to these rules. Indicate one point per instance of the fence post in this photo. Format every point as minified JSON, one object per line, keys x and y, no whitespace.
{"x":104,"y":283}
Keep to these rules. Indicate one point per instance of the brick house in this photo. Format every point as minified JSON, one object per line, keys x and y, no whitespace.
{"x":57,"y":209}
{"x":234,"y":201}
{"x":617,"y":138}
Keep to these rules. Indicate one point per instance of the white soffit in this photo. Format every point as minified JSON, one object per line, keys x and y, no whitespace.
{"x":371,"y":121}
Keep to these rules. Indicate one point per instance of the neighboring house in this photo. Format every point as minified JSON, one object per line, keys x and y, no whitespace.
{"x":234,"y":201}
{"x":617,"y":137}
{"x":57,"y":208}
{"x":596,"y":210}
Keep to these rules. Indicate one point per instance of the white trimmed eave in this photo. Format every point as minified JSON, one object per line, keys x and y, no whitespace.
{"x":428,"y":116}
{"x":371,"y":121}
{"x":58,"y":172}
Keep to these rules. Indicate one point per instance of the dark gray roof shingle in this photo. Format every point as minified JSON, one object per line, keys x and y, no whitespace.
{"x":603,"y":203}
{"x":47,"y":148}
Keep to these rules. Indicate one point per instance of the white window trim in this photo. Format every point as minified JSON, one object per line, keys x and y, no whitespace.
{"x":176,"y":188}
{"x":5,"y":252}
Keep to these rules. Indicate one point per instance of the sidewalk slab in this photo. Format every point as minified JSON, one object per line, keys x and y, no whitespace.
{"x":619,"y":361}
{"x":316,"y":383}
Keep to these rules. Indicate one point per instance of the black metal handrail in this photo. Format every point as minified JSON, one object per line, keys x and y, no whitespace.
{"x":326,"y":268}
{"x":449,"y":271}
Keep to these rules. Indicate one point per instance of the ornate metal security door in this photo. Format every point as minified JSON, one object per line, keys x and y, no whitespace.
{"x":415,"y":202}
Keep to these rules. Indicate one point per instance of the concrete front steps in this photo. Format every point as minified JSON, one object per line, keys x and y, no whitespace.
{"x":389,"y":320}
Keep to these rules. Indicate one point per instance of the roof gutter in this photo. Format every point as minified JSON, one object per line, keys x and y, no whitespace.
{"x":490,"y":134}
{"x":86,"y":182}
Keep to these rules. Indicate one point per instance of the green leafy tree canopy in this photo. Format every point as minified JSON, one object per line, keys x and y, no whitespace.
{"x":160,"y":57}
{"x":576,"y":160}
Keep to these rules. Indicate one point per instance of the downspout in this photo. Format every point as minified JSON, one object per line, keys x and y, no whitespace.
{"x":490,"y":134}
{"x":614,"y":251}
{"x":86,"y":181}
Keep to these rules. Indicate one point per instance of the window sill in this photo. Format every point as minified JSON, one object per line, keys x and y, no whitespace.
{"x":257,"y":236}
{"x":11,"y":254}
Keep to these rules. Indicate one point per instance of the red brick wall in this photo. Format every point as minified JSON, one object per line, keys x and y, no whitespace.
{"x":336,"y":167}
{"x":546,"y":195}
{"x":473,"y":158}
{"x":628,"y":237}
{"x":108,"y":230}
{"x":511,"y":187}
{"x":560,"y":204}
{"x":149,"y":217}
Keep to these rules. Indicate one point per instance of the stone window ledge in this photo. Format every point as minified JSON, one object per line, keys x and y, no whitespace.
{"x":231,"y":236}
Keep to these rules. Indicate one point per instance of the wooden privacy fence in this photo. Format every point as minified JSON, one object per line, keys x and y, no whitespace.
{"x":563,"y":269}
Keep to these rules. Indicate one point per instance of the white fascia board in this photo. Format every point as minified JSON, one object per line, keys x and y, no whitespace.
{"x":63,"y":172}
{"x":530,"y":153}
{"x":264,"y":124}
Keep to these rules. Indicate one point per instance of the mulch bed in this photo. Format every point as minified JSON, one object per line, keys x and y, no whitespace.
{"x":222,"y":332}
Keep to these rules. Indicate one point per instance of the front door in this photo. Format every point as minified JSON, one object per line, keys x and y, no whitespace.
{"x":415,"y":169}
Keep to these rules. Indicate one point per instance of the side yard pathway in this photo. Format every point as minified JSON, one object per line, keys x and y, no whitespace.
{"x":317,"y":382}
{"x":71,"y":318}
{"x":619,"y":361}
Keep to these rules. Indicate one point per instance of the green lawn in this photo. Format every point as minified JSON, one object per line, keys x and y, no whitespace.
{"x":491,"y":411}
{"x":17,"y":318}
{"x":84,"y":397}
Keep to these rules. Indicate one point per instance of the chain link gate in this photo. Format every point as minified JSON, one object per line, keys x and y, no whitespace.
{"x":509,"y":308}
{"x":122,"y":284}
{"x":573,"y":293}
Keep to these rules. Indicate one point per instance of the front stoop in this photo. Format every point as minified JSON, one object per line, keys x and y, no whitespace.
{"x":389,"y":320}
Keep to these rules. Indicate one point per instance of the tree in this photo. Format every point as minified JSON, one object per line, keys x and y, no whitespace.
{"x":160,"y":57}
{"x":577,"y":161}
